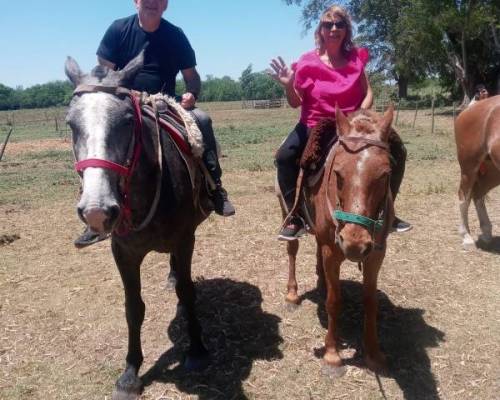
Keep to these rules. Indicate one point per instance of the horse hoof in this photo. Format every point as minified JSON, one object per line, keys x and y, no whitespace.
{"x":292,"y":299}
{"x":129,"y":386}
{"x":196,"y":363}
{"x":468,"y":246}
{"x":486,"y":239}
{"x":121,"y":395}
{"x":333,"y":371}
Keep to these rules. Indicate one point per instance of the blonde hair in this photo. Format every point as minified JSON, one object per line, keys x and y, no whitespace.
{"x":328,"y":16}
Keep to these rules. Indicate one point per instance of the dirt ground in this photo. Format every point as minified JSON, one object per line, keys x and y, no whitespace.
{"x":63,"y":333}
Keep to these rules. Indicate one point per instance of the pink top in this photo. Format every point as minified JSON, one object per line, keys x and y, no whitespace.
{"x":321,"y":86}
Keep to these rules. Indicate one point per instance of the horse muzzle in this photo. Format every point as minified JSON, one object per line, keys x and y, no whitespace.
{"x":100,"y":219}
{"x":355,"y":242}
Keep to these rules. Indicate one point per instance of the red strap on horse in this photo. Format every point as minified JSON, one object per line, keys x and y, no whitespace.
{"x":126,"y":222}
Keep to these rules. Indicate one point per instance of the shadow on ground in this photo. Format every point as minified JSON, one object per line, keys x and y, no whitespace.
{"x":236,"y":332}
{"x":404,"y":337}
{"x":491,"y":247}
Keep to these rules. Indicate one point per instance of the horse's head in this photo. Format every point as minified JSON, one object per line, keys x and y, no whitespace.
{"x":360,"y":174}
{"x":101,"y":117}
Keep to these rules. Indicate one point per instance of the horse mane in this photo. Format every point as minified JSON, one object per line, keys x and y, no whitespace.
{"x":100,"y":72}
{"x":364,"y":121}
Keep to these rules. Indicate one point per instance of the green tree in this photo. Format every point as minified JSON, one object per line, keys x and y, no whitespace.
{"x":7,"y":97}
{"x":220,"y":89}
{"x":457,"y":40}
{"x":259,"y":85}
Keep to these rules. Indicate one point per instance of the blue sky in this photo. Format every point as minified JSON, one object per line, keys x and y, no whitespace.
{"x":227,"y":35}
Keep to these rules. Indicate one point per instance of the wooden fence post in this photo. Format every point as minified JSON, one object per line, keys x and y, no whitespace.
{"x":415,"y":116}
{"x":397,"y":113}
{"x":57,"y":126}
{"x":5,"y":143}
{"x":432,"y":107}
{"x":11,"y":120}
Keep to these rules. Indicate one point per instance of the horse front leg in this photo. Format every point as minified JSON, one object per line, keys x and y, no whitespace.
{"x":375,"y":360}
{"x":292,"y":297}
{"x":197,"y":356}
{"x":320,"y":275}
{"x":172,"y":275}
{"x":331,"y":269}
{"x":129,"y":386}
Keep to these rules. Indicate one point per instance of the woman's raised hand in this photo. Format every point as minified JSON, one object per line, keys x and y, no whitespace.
{"x":282,"y":73}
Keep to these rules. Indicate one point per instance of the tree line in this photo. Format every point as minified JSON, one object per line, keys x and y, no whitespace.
{"x":455,"y":41}
{"x":250,"y":85}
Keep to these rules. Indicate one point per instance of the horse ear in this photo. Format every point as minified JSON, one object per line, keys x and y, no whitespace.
{"x":73,"y":71}
{"x":385,"y":123}
{"x":343,"y":124}
{"x":132,"y":68}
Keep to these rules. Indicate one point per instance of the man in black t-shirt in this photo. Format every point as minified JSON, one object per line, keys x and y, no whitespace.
{"x":167,"y":52}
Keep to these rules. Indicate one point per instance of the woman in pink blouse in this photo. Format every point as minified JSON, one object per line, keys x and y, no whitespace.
{"x":333,"y":73}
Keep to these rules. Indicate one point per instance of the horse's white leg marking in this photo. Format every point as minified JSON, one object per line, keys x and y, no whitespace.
{"x":484,"y":220}
{"x":464,"y":225}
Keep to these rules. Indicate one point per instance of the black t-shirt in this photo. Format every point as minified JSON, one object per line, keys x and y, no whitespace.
{"x":167,"y":52}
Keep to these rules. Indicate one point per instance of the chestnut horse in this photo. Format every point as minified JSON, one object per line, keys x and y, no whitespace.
{"x":477,"y":135}
{"x":137,"y":186}
{"x":351,"y":211}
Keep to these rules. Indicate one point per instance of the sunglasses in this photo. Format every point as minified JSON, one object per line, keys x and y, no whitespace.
{"x":330,"y":25}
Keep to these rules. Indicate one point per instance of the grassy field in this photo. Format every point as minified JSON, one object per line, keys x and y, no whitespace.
{"x":63,"y":332}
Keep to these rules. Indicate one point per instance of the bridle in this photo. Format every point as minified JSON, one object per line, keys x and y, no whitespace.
{"x":126,"y":170}
{"x":373,"y":226}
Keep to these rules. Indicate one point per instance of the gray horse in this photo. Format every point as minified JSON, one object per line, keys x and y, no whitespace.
{"x":118,"y":158}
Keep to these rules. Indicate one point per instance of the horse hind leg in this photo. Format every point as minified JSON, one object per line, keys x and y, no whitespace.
{"x":129,"y":386}
{"x":292,"y":248}
{"x":484,"y":220}
{"x":292,"y":297}
{"x":464,"y":195}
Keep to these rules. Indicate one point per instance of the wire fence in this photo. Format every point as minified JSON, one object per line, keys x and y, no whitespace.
{"x":418,"y":114}
{"x":22,"y":125}
{"x":44,"y":123}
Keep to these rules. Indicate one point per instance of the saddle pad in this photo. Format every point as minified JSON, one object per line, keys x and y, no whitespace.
{"x":173,"y":125}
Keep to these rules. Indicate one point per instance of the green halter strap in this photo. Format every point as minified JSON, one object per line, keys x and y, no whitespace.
{"x":371,"y":224}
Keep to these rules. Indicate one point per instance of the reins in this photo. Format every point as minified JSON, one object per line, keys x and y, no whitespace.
{"x":126,"y":171}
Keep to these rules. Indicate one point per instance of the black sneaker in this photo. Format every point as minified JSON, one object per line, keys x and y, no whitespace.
{"x":400,"y":226}
{"x":293,"y":230}
{"x":222,"y":205}
{"x":89,"y":237}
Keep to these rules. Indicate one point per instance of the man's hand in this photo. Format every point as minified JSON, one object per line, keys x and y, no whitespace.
{"x":188,"y":100}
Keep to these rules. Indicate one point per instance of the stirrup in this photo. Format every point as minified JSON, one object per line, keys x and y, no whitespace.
{"x":293,"y":230}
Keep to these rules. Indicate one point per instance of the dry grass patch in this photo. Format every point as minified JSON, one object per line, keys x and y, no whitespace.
{"x":63,"y":333}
